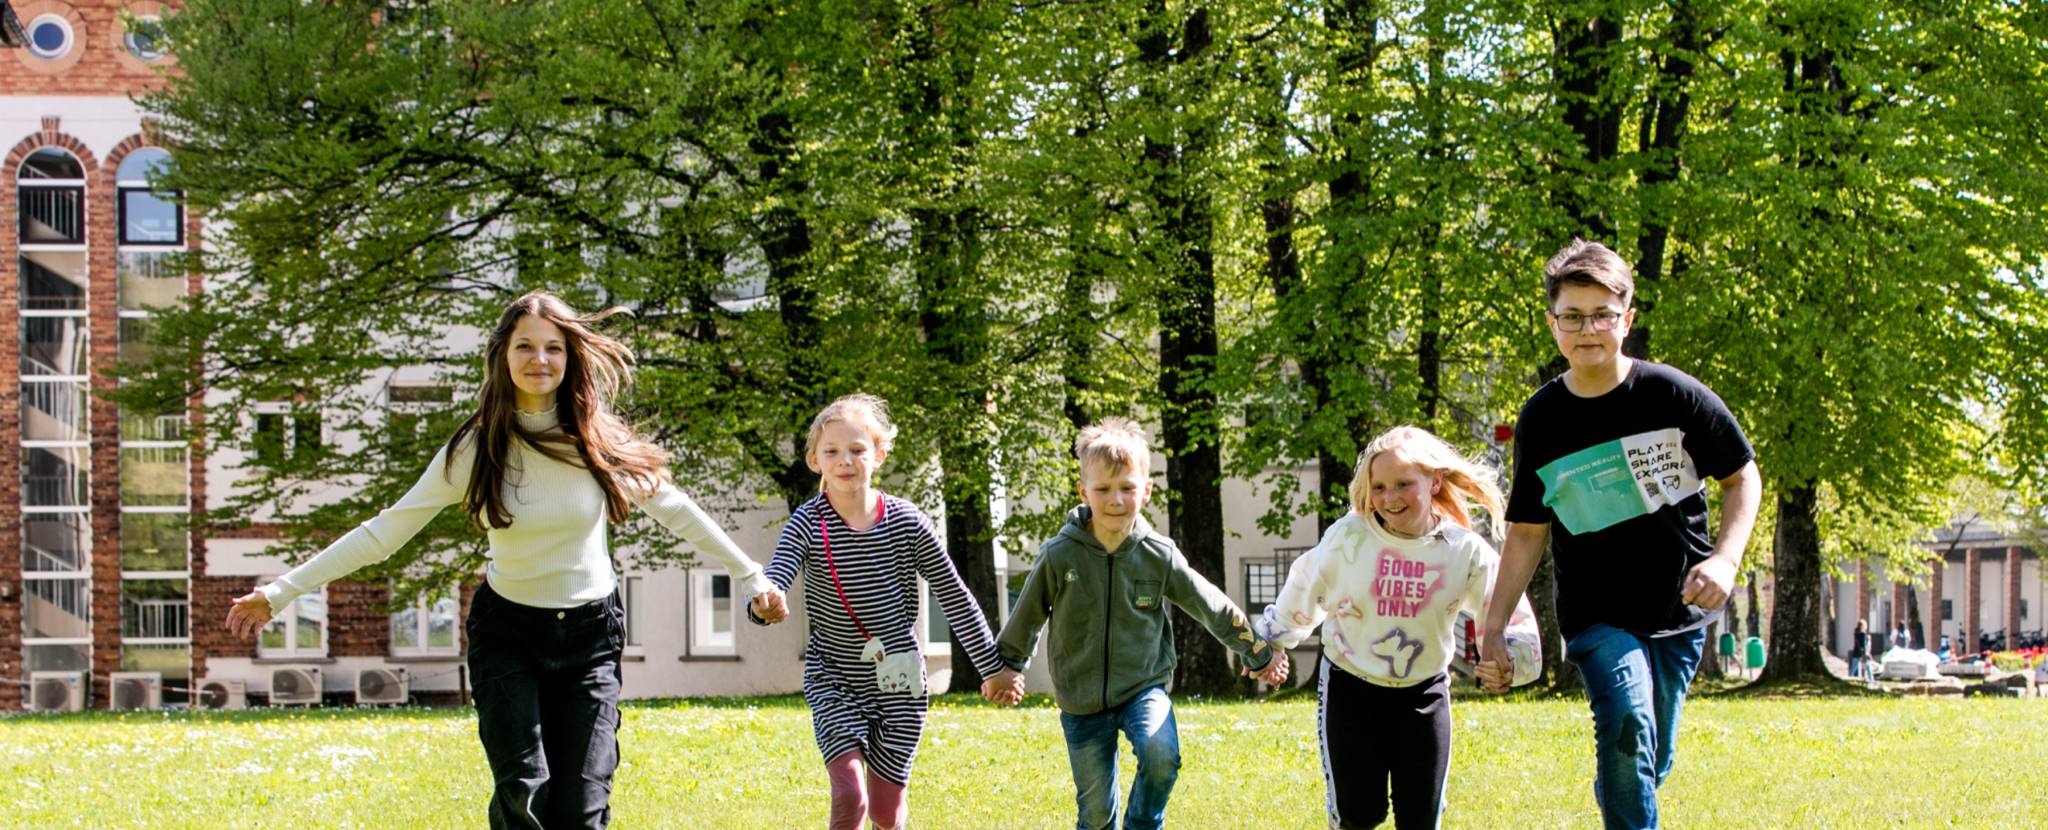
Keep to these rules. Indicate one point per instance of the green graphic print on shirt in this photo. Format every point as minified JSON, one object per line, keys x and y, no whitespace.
{"x":1607,"y":484}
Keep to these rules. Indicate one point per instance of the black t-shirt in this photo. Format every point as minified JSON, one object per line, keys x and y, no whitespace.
{"x":1620,"y":479}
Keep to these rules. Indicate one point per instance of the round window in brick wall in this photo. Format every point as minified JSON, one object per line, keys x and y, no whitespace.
{"x":49,"y":37}
{"x":144,"y":38}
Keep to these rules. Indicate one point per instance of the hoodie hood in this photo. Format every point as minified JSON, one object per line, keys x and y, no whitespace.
{"x":1076,"y":529}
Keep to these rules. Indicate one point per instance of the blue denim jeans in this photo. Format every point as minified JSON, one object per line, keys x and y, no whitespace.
{"x":1636,"y":686}
{"x":1147,"y":720}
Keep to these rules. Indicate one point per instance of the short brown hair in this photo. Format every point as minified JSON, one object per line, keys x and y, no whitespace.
{"x":1114,"y":441}
{"x":1588,"y":263}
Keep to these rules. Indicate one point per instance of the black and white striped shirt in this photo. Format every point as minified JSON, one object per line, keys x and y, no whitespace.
{"x":878,"y":568}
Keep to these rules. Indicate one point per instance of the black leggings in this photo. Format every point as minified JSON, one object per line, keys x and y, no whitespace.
{"x":547,"y":708}
{"x":1373,"y":735}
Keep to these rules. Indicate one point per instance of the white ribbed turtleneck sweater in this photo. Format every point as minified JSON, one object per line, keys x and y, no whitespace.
{"x":554,"y":554}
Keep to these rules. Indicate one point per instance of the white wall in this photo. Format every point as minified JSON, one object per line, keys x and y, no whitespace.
{"x":100,"y":121}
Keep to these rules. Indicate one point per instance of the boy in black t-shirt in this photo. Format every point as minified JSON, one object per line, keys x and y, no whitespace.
{"x":1611,"y":460}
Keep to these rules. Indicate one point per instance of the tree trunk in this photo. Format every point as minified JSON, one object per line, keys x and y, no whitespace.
{"x":1078,"y":328}
{"x":946,"y":236}
{"x":1432,"y":339}
{"x":1795,"y":601}
{"x":1710,"y":657}
{"x":1663,"y":130}
{"x":1583,"y":46}
{"x":786,"y":245}
{"x":1354,"y":25}
{"x":1173,"y":53}
{"x":1752,"y":611}
{"x":1542,"y":591}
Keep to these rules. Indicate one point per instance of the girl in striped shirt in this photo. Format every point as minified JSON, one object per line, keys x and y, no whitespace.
{"x":859,"y":553}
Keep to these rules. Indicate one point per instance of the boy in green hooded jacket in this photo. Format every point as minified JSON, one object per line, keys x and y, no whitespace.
{"x":1102,"y":587}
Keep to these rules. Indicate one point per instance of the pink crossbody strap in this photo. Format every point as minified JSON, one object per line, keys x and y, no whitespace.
{"x":881,"y":512}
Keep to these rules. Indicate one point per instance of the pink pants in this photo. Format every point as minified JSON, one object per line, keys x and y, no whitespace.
{"x":882,"y":801}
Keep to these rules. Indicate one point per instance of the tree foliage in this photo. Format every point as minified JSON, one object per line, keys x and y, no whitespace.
{"x":1272,"y":228}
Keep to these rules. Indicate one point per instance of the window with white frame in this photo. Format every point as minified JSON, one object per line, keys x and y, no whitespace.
{"x":155,"y":461}
{"x":711,"y":613}
{"x":938,"y":636}
{"x":155,"y":612}
{"x":144,"y":38}
{"x":410,"y":408}
{"x":426,"y":628}
{"x":301,"y":631}
{"x":630,"y":595}
{"x":1262,"y":582}
{"x":148,"y":217}
{"x":284,"y":432}
{"x":1264,"y":576}
{"x":54,"y":373}
{"x":49,"y":36}
{"x":51,"y":199}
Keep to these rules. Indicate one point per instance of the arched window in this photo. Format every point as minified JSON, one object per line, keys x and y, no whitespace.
{"x":52,"y":198}
{"x":147,"y":217}
{"x":155,"y":461}
{"x":55,"y":373}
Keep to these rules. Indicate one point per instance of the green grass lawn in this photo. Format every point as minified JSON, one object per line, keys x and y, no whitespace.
{"x":1776,"y":763}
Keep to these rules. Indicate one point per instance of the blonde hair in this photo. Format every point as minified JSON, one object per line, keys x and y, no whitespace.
{"x":1588,"y":263}
{"x":1464,"y":480}
{"x":858,"y":408}
{"x":1114,"y":441}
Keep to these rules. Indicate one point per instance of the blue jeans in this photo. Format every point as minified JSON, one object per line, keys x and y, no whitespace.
{"x":1147,"y":720}
{"x":1635,"y":685}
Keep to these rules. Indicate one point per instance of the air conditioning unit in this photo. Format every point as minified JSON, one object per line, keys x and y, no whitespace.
{"x":56,"y":691}
{"x":222,"y":693}
{"x":389,"y":685}
{"x":290,"y":685}
{"x":137,"y":689}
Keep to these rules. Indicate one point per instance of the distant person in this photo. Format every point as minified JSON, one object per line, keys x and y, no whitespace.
{"x":1859,"y":652}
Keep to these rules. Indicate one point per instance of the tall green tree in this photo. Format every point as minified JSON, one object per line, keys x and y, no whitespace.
{"x":1860,"y":258}
{"x":405,"y":171}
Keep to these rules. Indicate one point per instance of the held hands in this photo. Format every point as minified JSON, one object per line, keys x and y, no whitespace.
{"x":250,"y":613}
{"x":1275,"y":672}
{"x":1006,"y":687}
{"x":771,"y":606}
{"x":1708,"y":584}
{"x":1495,"y":668}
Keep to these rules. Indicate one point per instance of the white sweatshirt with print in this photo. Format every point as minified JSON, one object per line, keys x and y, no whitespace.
{"x":1390,"y":606}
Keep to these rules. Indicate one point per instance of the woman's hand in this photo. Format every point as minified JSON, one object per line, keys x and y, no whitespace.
{"x":249,"y":615}
{"x":771,"y":606}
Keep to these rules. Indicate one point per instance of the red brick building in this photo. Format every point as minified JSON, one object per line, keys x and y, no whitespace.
{"x":101,"y":570}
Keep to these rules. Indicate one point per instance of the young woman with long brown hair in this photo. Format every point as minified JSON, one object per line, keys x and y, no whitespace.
{"x":543,"y":466}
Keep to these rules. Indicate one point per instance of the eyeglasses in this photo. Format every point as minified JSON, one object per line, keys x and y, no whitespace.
{"x":1574,"y":321}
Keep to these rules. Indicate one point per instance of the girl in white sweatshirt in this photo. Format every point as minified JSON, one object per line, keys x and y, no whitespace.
{"x":1387,"y":584}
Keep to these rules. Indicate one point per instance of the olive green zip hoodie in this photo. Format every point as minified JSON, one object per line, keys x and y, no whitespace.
{"x":1106,"y":611}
